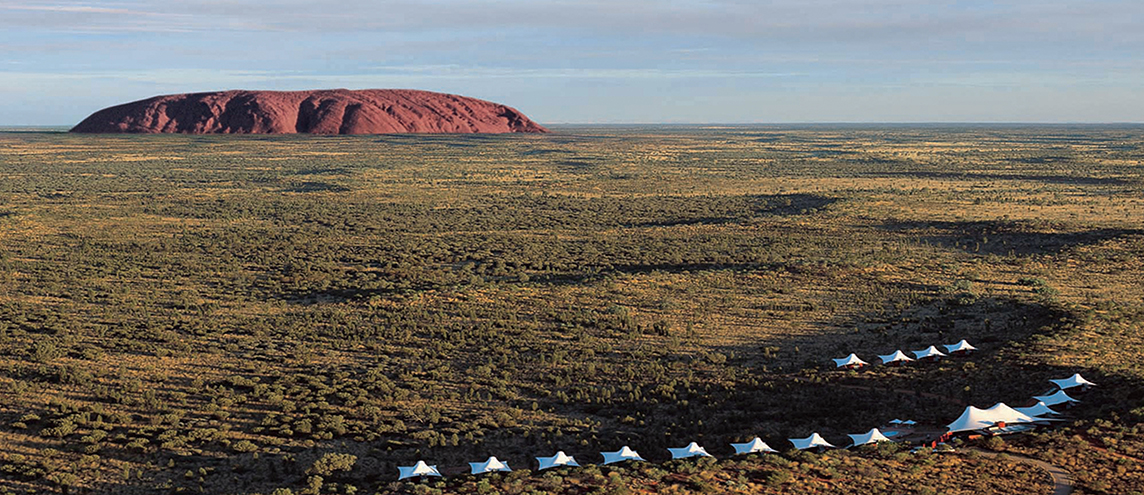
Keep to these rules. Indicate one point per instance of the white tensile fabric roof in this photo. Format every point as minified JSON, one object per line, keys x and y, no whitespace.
{"x":419,"y":469}
{"x":1038,"y":409}
{"x":975,"y":419}
{"x":814,"y":440}
{"x":560,"y":459}
{"x":489,"y":466}
{"x":1058,"y":398}
{"x":871,"y":436}
{"x":624,"y":454}
{"x":960,"y":346}
{"x":972,"y":419}
{"x":851,"y":360}
{"x":1002,"y":409}
{"x":691,"y":450}
{"x":755,"y":445}
{"x":895,"y":357}
{"x":928,"y":352}
{"x":1073,"y":381}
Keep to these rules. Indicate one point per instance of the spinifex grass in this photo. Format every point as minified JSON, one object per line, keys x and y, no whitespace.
{"x":218,"y":313}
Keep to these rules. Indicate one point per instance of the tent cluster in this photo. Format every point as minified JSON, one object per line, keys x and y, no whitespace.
{"x":898,"y":357}
{"x":972,"y":419}
{"x":1001,"y":416}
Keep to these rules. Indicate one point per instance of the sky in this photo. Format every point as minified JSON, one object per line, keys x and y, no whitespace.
{"x":597,"y":61}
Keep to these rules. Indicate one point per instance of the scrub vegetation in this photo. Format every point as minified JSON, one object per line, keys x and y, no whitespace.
{"x":301,"y":315}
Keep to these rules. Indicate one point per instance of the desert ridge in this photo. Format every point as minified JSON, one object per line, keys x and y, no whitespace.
{"x":336,"y":111}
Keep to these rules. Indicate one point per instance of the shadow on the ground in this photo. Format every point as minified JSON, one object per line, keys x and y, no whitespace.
{"x":1003,"y":238}
{"x":1076,"y":180}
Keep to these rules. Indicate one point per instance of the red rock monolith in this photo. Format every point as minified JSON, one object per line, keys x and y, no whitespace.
{"x":336,"y":111}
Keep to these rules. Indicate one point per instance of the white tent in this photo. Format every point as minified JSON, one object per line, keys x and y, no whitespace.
{"x":419,"y":469}
{"x":755,"y":445}
{"x":691,"y":450}
{"x":962,"y":346}
{"x":1005,"y":412}
{"x":1073,"y":381}
{"x":871,"y":436}
{"x":624,"y":454}
{"x":975,"y":419}
{"x":814,"y":440}
{"x":897,"y":357}
{"x":489,"y":466}
{"x":929,"y":352}
{"x":560,"y":459}
{"x":971,"y":419}
{"x":849,"y":361}
{"x":1058,"y":398}
{"x":1038,"y":409}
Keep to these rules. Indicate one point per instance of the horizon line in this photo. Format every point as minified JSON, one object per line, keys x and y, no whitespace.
{"x":743,"y":124}
{"x":854,"y":122}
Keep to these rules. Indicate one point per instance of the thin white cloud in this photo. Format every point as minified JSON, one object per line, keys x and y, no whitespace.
{"x":116,"y":17}
{"x":865,"y":22}
{"x":407,"y":76}
{"x":457,"y":71}
{"x":86,"y":9}
{"x":378,"y":77}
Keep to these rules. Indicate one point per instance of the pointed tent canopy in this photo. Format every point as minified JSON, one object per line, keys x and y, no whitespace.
{"x":971,"y":419}
{"x":928,"y":352}
{"x":975,"y":419}
{"x":851,"y":360}
{"x":1058,"y":398}
{"x":871,"y":436}
{"x":1038,"y":409}
{"x":624,"y":454}
{"x":419,"y":469}
{"x":691,"y":450}
{"x":1073,"y":381}
{"x":560,"y":459}
{"x":896,"y":357}
{"x":1002,"y":409}
{"x":909,"y":422}
{"x":489,"y":466}
{"x":962,"y":346}
{"x":755,"y":445}
{"x":896,"y":421}
{"x":814,"y":440}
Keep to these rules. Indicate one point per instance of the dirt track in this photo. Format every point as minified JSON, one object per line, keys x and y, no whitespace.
{"x":1062,"y":480}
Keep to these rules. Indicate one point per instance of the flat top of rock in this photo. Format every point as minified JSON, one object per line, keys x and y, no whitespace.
{"x":334,"y":111}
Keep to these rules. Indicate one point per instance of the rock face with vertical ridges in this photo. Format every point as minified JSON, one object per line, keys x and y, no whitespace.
{"x":337,"y":111}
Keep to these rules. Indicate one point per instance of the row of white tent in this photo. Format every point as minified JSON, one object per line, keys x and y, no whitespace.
{"x":756,"y":445}
{"x":853,"y":361}
{"x":971,"y":419}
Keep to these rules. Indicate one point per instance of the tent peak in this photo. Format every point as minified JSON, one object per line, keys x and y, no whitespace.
{"x":851,"y":361}
{"x":755,"y":445}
